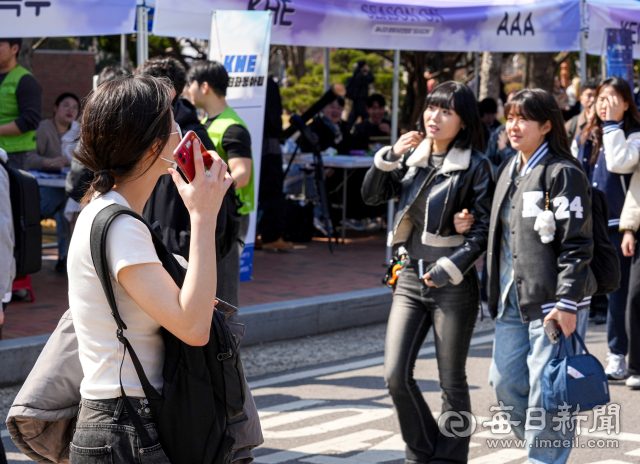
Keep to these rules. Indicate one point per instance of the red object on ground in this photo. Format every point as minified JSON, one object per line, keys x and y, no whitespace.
{"x":24,"y":283}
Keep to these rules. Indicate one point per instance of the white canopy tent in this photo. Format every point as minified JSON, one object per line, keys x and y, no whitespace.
{"x":605,"y":14}
{"x":467,"y":25}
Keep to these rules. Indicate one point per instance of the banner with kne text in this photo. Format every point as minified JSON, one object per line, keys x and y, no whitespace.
{"x":434,"y":25}
{"x":240,"y":40}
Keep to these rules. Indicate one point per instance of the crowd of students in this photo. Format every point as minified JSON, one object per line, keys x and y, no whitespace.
{"x":455,"y":203}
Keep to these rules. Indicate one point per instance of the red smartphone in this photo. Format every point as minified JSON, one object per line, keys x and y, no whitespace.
{"x":185,"y":159}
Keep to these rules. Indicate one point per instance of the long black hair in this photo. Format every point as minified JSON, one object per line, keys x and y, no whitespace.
{"x":452,"y":95}
{"x":593,"y":130}
{"x":538,"y":105}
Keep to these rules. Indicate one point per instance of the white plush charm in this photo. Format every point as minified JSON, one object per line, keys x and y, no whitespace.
{"x":546,"y":226}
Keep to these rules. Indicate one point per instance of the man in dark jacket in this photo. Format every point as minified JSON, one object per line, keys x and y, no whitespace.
{"x":358,"y":91}
{"x":271,"y":197}
{"x":165,"y":204}
{"x":374,"y":126}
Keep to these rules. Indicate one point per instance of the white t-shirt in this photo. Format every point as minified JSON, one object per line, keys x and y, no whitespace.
{"x":128,"y":243}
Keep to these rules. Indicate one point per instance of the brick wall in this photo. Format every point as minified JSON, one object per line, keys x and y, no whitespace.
{"x":61,"y":71}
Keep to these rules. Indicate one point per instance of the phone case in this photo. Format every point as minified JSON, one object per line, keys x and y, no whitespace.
{"x":183,"y":155}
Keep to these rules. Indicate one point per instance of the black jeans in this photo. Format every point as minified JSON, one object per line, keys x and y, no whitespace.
{"x":452,"y":312}
{"x":616,"y":332}
{"x":271,"y":198}
{"x":633,"y":315}
{"x":105,"y":435}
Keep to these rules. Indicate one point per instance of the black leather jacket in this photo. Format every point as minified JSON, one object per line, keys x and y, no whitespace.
{"x":555,"y":274}
{"x":465,"y":180}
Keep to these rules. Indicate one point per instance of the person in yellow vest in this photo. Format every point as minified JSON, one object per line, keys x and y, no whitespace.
{"x":207,"y":84}
{"x":20,"y":105}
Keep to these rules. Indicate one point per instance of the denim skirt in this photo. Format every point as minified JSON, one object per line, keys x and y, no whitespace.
{"x":105,"y":434}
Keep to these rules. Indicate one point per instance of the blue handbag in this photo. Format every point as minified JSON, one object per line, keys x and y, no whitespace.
{"x":560,"y":385}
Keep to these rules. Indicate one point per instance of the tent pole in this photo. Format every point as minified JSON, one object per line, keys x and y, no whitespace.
{"x":394,"y":135}
{"x":476,"y":71}
{"x":326,"y":68}
{"x":142,"y":39}
{"x":583,"y":41}
{"x":123,"y":50}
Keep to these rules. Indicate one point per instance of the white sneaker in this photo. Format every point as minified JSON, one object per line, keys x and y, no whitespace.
{"x":633,"y":382}
{"x":616,"y":367}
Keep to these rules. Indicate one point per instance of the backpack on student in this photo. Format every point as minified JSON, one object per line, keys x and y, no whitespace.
{"x":605,"y":263}
{"x":25,"y":206}
{"x":204,"y":387}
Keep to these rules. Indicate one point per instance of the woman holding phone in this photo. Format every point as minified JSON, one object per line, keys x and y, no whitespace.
{"x":609,"y":151}
{"x":128,"y":134}
{"x":540,"y":247}
{"x":435,"y":177}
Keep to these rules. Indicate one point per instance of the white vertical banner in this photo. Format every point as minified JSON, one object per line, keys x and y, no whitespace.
{"x":240,"y":40}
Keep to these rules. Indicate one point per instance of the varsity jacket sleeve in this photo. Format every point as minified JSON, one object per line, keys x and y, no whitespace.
{"x":622,"y":153}
{"x":479,"y":198}
{"x":630,"y":216}
{"x":383,"y":181}
{"x":570,"y":200}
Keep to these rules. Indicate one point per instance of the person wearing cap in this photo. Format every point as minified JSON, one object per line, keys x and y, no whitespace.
{"x":20,"y":106}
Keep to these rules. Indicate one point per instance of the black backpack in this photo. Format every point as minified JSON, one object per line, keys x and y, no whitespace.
{"x":605,"y":263}
{"x":25,"y":206}
{"x":204,"y":386}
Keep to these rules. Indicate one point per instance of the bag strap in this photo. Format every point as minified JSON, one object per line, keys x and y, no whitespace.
{"x":560,"y":345}
{"x":98,"y":244}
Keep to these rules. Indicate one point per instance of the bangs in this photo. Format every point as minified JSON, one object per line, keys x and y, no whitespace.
{"x":442,"y":97}
{"x":518,"y":107}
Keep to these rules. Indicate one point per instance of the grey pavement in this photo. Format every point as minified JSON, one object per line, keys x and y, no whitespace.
{"x":323,"y":400}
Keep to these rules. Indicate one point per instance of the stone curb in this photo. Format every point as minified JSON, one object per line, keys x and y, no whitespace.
{"x":266,"y":322}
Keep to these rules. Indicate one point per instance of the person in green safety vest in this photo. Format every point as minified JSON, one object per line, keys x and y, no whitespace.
{"x":207,"y":84}
{"x":20,"y":105}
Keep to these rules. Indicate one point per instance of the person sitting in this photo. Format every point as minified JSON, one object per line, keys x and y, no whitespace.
{"x":331,"y":130}
{"x":55,"y":139}
{"x":375,"y":126}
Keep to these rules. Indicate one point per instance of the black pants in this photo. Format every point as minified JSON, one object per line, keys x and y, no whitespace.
{"x":633,"y":315}
{"x":271,"y":198}
{"x":452,"y":312}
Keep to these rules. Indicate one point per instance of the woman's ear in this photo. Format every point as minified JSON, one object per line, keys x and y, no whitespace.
{"x":545,"y":128}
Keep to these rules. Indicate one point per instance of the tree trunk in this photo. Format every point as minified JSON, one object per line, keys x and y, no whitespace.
{"x":540,"y":71}
{"x":26,"y":53}
{"x":295,"y":56}
{"x":490,"y":71}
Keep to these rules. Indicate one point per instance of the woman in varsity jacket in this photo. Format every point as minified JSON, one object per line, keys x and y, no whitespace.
{"x":540,"y":247}
{"x":435,"y":177}
{"x":608,"y":151}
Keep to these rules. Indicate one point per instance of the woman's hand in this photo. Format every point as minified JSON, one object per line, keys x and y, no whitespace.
{"x":428,"y":281}
{"x":629,"y":244}
{"x":566,"y":320}
{"x":56,"y":163}
{"x":203,"y":197}
{"x":503,"y":139}
{"x":406,"y":142}
{"x":463,"y":221}
{"x":614,"y":108}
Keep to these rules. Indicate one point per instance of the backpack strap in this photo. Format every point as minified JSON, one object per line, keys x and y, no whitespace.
{"x":98,"y":244}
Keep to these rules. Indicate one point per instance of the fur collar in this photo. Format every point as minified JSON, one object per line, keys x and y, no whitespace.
{"x":456,"y":159}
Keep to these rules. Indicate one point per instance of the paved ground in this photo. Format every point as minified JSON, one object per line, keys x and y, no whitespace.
{"x":333,"y":408}
{"x":309,"y":270}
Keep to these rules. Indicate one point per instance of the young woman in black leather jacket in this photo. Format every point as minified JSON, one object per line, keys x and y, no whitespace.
{"x":434,"y":178}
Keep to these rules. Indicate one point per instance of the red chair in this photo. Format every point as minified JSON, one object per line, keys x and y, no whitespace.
{"x":24,"y":283}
